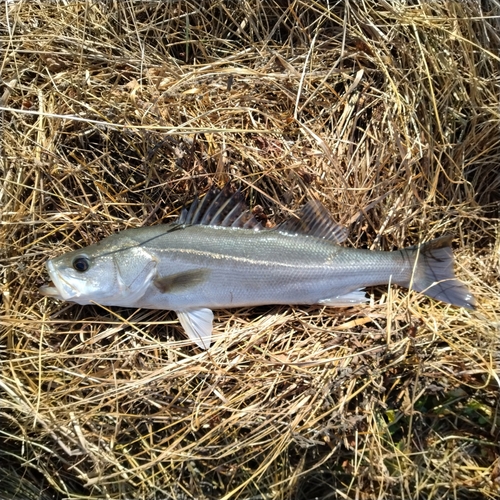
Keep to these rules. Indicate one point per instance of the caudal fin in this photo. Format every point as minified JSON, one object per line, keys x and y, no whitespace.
{"x":433,"y":273}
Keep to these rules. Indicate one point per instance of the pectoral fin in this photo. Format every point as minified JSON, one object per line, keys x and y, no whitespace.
{"x":180,"y":281}
{"x":198,"y":325}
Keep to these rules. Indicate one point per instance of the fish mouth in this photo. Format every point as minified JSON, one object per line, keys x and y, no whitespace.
{"x":61,"y":290}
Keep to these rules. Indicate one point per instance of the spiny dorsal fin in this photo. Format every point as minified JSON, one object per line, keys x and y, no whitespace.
{"x":314,"y":219}
{"x":220,"y":207}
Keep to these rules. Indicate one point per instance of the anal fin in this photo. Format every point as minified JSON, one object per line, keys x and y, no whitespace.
{"x":347,"y":300}
{"x":198,"y":324}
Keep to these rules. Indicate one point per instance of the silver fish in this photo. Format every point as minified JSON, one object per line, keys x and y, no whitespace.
{"x":217,"y":255}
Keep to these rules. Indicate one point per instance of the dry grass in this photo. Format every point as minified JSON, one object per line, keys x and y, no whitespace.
{"x":114,"y":114}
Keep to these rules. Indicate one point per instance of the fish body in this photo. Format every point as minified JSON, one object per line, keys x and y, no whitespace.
{"x":218,"y":256}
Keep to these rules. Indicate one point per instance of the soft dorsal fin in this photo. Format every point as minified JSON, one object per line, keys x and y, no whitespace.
{"x":314,"y":219}
{"x":220,"y":207}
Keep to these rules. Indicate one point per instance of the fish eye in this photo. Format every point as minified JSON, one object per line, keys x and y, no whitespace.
{"x":81,"y":264}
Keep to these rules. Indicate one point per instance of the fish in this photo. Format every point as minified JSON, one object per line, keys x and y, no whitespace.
{"x":218,"y":255}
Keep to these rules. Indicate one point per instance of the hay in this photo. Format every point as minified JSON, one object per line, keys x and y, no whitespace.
{"x":114,"y":114}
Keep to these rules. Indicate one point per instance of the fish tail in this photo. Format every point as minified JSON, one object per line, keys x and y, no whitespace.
{"x":433,"y":273}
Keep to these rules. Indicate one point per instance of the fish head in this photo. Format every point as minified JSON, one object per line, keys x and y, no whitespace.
{"x":104,"y":273}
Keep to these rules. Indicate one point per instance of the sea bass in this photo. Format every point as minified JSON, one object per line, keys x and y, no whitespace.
{"x":217,"y":255}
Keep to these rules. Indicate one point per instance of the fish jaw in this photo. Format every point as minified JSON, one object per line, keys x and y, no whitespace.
{"x":50,"y":291}
{"x":62,"y":289}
